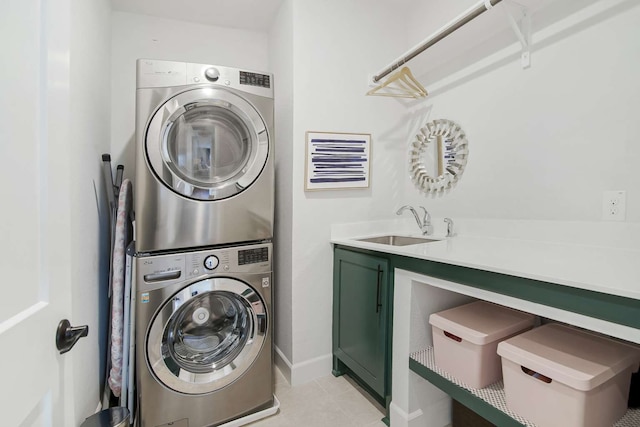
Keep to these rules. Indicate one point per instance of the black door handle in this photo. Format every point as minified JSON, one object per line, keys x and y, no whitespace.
{"x":67,"y":336}
{"x":378,"y":303}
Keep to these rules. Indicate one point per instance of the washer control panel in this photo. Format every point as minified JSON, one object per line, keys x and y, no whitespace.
{"x":157,"y":271}
{"x":211,"y":262}
{"x":253,"y":256}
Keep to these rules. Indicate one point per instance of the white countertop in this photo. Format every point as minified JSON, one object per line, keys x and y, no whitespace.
{"x":606,"y":269}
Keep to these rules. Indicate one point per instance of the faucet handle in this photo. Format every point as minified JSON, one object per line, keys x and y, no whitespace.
{"x":450,"y":232}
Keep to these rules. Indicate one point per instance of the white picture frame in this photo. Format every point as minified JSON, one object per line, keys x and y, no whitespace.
{"x":337,"y":160}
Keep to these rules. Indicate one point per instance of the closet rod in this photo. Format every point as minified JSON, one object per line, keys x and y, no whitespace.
{"x":461,"y":20}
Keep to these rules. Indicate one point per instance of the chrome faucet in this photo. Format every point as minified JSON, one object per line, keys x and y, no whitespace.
{"x":424,"y":224}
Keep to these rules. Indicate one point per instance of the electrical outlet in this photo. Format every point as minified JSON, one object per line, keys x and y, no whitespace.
{"x":614,"y":205}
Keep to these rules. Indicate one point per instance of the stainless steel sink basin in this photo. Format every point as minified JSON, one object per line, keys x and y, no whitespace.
{"x":397,"y":240}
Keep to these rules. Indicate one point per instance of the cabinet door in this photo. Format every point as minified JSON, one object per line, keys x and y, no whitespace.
{"x":360,"y":315}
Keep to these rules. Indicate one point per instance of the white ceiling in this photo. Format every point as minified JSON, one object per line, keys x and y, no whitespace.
{"x":246,"y":14}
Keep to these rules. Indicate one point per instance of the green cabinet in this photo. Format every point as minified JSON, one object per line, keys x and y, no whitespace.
{"x":363,"y":285}
{"x":362,"y":304}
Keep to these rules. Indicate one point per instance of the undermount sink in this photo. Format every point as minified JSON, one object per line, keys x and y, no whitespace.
{"x":398,"y":240}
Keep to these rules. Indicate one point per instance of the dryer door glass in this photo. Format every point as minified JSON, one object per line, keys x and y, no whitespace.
{"x":207,"y":143}
{"x":207,"y":335}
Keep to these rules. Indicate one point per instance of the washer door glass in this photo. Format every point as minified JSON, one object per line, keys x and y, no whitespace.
{"x":207,"y":335}
{"x":207,"y":143}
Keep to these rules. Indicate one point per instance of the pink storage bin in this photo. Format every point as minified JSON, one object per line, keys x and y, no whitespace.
{"x":465,"y":340}
{"x":557,"y":375}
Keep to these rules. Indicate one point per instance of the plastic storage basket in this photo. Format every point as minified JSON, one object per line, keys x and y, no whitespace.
{"x":557,"y":375}
{"x":465,"y":339}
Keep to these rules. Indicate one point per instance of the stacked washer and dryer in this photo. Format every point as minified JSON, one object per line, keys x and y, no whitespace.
{"x":204,"y":222}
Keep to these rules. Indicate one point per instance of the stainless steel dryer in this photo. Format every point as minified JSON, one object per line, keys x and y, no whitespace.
{"x":204,"y":341}
{"x":204,"y":156}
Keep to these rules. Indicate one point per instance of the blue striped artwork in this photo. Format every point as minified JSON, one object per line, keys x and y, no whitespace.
{"x":337,"y":161}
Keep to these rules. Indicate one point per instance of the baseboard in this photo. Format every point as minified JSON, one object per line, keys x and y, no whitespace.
{"x":283,"y":364}
{"x":436,"y":414}
{"x":400,"y":418}
{"x":303,"y":372}
{"x":311,"y":369}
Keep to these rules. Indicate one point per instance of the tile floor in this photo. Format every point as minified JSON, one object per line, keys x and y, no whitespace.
{"x":325,"y":402}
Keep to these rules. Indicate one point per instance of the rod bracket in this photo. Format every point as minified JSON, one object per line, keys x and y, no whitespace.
{"x":519,"y":18}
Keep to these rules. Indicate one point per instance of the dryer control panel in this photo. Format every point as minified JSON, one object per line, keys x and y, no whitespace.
{"x":255,"y":79}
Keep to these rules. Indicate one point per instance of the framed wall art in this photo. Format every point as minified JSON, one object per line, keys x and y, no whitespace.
{"x":337,"y":160}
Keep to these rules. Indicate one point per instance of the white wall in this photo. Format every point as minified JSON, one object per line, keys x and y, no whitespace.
{"x":140,"y":36}
{"x":89,"y":133}
{"x":281,"y":64}
{"x":544,"y":142}
{"x":336,"y":45}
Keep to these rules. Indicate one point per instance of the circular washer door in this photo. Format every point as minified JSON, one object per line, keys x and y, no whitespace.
{"x":206,"y":336}
{"x":207,"y":143}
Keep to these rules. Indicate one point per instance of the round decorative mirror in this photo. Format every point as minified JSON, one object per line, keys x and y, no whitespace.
{"x":438,"y":156}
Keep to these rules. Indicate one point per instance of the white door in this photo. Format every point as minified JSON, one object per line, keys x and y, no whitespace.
{"x":34,"y":218}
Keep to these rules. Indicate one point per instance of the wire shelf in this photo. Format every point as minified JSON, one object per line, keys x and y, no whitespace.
{"x":494,"y":394}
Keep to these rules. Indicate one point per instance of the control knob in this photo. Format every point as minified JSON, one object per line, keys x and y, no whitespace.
{"x":212,"y":74}
{"x":211,"y":262}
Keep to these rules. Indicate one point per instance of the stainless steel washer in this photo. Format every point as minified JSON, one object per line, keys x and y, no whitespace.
{"x":204,"y":156}
{"x":204,"y":341}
